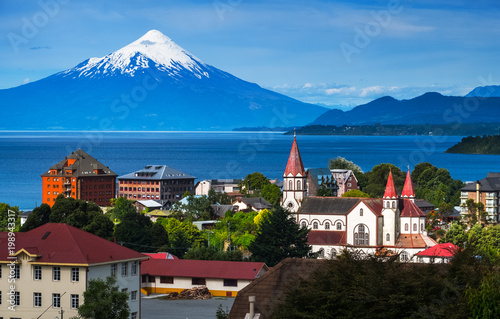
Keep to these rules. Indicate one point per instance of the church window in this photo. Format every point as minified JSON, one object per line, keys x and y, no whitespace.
{"x":321,"y":253}
{"x":361,"y":212}
{"x":334,"y":253}
{"x":303,"y":224}
{"x":361,"y":237}
{"x":406,"y":227}
{"x":422,"y":227}
{"x":298,"y":185}
{"x":388,"y":237}
{"x":393,"y":204}
{"x":387,"y":205}
{"x":415,"y":227}
{"x":290,"y":185}
{"x":315,"y":225}
{"x":339,"y":226}
{"x":404,"y":256}
{"x":327,"y":225}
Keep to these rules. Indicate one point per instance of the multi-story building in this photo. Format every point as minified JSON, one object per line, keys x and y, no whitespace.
{"x":229,"y":186}
{"x":321,"y":178}
{"x":47,"y":270}
{"x":346,"y":180}
{"x":156,"y":182}
{"x":486,"y":191}
{"x":80,"y":176}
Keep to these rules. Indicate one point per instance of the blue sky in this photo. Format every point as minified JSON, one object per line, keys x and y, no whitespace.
{"x":331,"y":52}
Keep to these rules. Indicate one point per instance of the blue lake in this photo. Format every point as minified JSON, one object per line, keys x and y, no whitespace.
{"x":24,"y":156}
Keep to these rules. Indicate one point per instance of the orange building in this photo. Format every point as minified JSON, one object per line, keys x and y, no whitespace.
{"x":80,"y":176}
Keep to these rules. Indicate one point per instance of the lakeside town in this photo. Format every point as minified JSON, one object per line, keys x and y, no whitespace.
{"x":157,"y":231}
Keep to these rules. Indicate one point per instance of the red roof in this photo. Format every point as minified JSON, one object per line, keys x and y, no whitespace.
{"x":326,"y":237}
{"x":440,"y":250}
{"x":294,"y":165}
{"x":410,"y":209}
{"x":161,"y":255}
{"x":203,"y":268}
{"x":390,"y":190}
{"x":374,"y":204}
{"x":64,"y":244}
{"x":408,"y":188}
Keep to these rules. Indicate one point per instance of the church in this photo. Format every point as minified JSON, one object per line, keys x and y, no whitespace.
{"x":393,"y":224}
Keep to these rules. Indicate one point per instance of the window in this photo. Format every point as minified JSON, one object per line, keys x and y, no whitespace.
{"x":56,"y":300}
{"x":404,"y":256}
{"x":125,"y":290}
{"x":303,"y":224}
{"x":0,"y":272}
{"x":387,"y":205}
{"x":75,"y":274}
{"x":198,"y":281}
{"x":415,"y":227}
{"x":388,"y":237}
{"x":56,"y":273}
{"x":230,"y":282}
{"x":17,"y":298}
{"x":17,"y":273}
{"x":298,"y":185}
{"x":361,"y":212}
{"x":75,"y":301}
{"x":113,"y":270}
{"x":393,"y":204}
{"x":327,"y":225}
{"x":290,"y":185}
{"x":124,"y":269}
{"x":151,"y":278}
{"x":315,"y":225}
{"x":348,"y":184}
{"x":37,"y":272}
{"x":133,"y":315}
{"x":333,"y":253}
{"x":144,"y":278}
{"x":361,"y":237}
{"x":37,"y":299}
{"x":133,"y":268}
{"x":133,"y":295}
{"x":406,"y":227}
{"x":166,"y":280}
{"x":339,"y":226}
{"x":422,"y":227}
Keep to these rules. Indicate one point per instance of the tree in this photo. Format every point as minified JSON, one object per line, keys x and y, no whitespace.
{"x":159,"y":236}
{"x":254,"y":181}
{"x":134,"y":231}
{"x":119,"y":208}
{"x":271,"y":193}
{"x":38,"y":217}
{"x":377,"y":179}
{"x":181,"y":236}
{"x":342,"y":163}
{"x":475,"y":211}
{"x":102,"y":299}
{"x":279,"y":237}
{"x":445,"y":210}
{"x":323,"y":191}
{"x":4,"y":215}
{"x":355,"y":193}
{"x":456,"y":235}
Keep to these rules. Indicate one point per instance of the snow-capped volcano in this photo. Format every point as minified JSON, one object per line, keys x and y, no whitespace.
{"x":150,"y":84}
{"x":154,"y":49}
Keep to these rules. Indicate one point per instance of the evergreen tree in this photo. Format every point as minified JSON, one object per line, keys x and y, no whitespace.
{"x":134,"y":231}
{"x":279,"y":237}
{"x":38,"y":217}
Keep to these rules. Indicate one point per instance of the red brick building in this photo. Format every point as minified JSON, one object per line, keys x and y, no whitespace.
{"x":80,"y":176}
{"x":156,"y":182}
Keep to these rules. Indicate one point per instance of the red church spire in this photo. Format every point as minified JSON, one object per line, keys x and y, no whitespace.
{"x":390,"y":190}
{"x":294,"y":165}
{"x":408,"y":188}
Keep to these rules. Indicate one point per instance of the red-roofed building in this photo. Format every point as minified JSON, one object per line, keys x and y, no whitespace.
{"x":222,"y":278}
{"x":52,"y":265}
{"x":441,"y":253}
{"x":294,"y":180}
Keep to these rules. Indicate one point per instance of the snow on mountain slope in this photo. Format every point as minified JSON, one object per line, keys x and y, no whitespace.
{"x":154,"y":49}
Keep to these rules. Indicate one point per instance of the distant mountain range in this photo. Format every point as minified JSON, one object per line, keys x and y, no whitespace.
{"x":151,"y":84}
{"x":429,"y":108}
{"x":485,"y":91}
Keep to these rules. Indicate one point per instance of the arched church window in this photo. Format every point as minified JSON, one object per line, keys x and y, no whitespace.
{"x":298,"y":185}
{"x":360,"y":237}
{"x":327,"y":225}
{"x":404,"y":256}
{"x":361,"y":212}
{"x":415,"y":227}
{"x":315,"y":225}
{"x":333,"y":253}
{"x":339,"y":226}
{"x":406,"y":227}
{"x":290,"y":185}
{"x":388,"y":237}
{"x":303,"y":224}
{"x":393,"y":204}
{"x":387,"y":205}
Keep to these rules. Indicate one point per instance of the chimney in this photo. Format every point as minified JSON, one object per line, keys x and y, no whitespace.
{"x":251,"y":299}
{"x":478,"y":194}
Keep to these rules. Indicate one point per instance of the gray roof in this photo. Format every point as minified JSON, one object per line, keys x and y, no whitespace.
{"x":257,"y":202}
{"x":220,"y":210}
{"x":156,"y":173}
{"x":489,"y":184}
{"x":85,"y":165}
{"x":327,"y":205}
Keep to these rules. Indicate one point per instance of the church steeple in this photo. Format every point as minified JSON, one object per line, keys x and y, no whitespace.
{"x":294,"y":180}
{"x":390,"y":190}
{"x":408,"y":191}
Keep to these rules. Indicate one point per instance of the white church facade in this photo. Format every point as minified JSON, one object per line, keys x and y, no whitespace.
{"x":392,"y":224}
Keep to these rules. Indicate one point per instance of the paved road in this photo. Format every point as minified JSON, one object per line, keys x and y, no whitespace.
{"x":183,"y":309}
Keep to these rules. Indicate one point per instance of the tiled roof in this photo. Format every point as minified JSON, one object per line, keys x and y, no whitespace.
{"x":270,"y":287}
{"x":84,"y":165}
{"x":64,"y":244}
{"x":327,"y":205}
{"x":410,"y":209}
{"x":440,"y":250}
{"x":294,"y":165}
{"x":408,"y":188}
{"x":326,"y":237}
{"x":161,"y":255}
{"x":156,"y":173}
{"x":390,"y":190}
{"x":374,"y":204}
{"x":412,"y":241}
{"x":203,"y":268}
